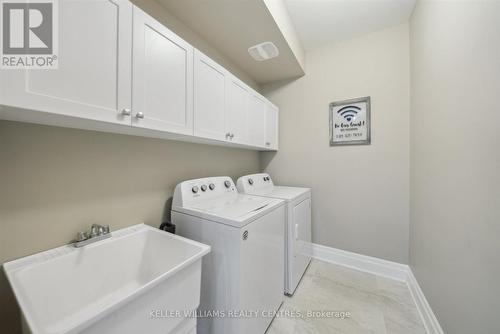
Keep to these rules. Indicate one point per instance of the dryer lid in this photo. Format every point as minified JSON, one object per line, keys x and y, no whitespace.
{"x":262,"y":185}
{"x":286,"y":193}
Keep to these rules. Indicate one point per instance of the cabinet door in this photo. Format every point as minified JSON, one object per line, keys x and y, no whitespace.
{"x":256,"y":121}
{"x":209,"y":98}
{"x":93,"y":79}
{"x":237,"y":104}
{"x":272,"y":127}
{"x":162,"y":92}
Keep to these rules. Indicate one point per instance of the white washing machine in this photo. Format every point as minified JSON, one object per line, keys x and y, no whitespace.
{"x":297,"y":226}
{"x":242,"y":277}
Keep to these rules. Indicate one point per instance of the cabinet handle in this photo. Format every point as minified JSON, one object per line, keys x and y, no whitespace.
{"x":126,"y":112}
{"x":140,"y":115}
{"x":228,"y":135}
{"x":232,"y":135}
{"x":268,"y":143}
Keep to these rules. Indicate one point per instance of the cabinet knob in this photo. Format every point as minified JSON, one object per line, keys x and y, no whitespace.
{"x":139,"y":115}
{"x":232,"y":135}
{"x":228,"y":135}
{"x":268,"y":143}
{"x":126,"y":112}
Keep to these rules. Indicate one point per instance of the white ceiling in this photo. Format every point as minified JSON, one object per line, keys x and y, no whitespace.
{"x":322,"y":22}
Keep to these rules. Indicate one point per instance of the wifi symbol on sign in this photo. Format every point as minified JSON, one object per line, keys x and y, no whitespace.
{"x":349,"y":112}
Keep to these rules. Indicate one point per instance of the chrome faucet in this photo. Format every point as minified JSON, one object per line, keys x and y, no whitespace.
{"x":97,"y":232}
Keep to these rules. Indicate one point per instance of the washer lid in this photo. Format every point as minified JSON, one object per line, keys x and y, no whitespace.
{"x":237,"y":210}
{"x":232,"y":207}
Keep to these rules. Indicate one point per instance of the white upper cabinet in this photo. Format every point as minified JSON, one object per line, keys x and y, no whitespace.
{"x":162,"y":91}
{"x":120,"y":70}
{"x":227,"y":109}
{"x":209,"y":98}
{"x":237,"y":106}
{"x":272,"y":126}
{"x":256,"y":120}
{"x":93,"y":79}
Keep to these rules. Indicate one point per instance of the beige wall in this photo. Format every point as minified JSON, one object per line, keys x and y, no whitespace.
{"x":455,"y":161}
{"x":360,"y":193}
{"x":56,"y":181}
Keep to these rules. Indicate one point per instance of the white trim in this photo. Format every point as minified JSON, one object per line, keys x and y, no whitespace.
{"x":393,"y":270}
{"x":360,"y":262}
{"x":428,"y":317}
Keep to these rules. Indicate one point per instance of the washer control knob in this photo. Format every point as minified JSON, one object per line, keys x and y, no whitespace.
{"x":194,"y":189}
{"x":211,"y":186}
{"x":204,"y":187}
{"x":227,"y":183}
{"x":250,"y":181}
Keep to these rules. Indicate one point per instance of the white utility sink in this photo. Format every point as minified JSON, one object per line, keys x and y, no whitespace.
{"x":134,"y":282}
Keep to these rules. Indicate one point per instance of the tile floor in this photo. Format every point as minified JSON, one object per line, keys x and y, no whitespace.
{"x":376,"y":304}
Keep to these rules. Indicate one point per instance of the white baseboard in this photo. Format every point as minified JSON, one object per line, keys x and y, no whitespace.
{"x":428,"y":317}
{"x":393,"y":270}
{"x":360,"y":262}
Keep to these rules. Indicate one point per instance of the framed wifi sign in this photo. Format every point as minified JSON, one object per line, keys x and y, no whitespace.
{"x":350,"y":122}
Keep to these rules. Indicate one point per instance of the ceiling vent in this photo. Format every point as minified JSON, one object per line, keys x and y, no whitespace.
{"x":263,"y":51}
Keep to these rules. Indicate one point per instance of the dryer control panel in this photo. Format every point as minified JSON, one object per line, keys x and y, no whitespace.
{"x":194,"y":190}
{"x":255,"y":183}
